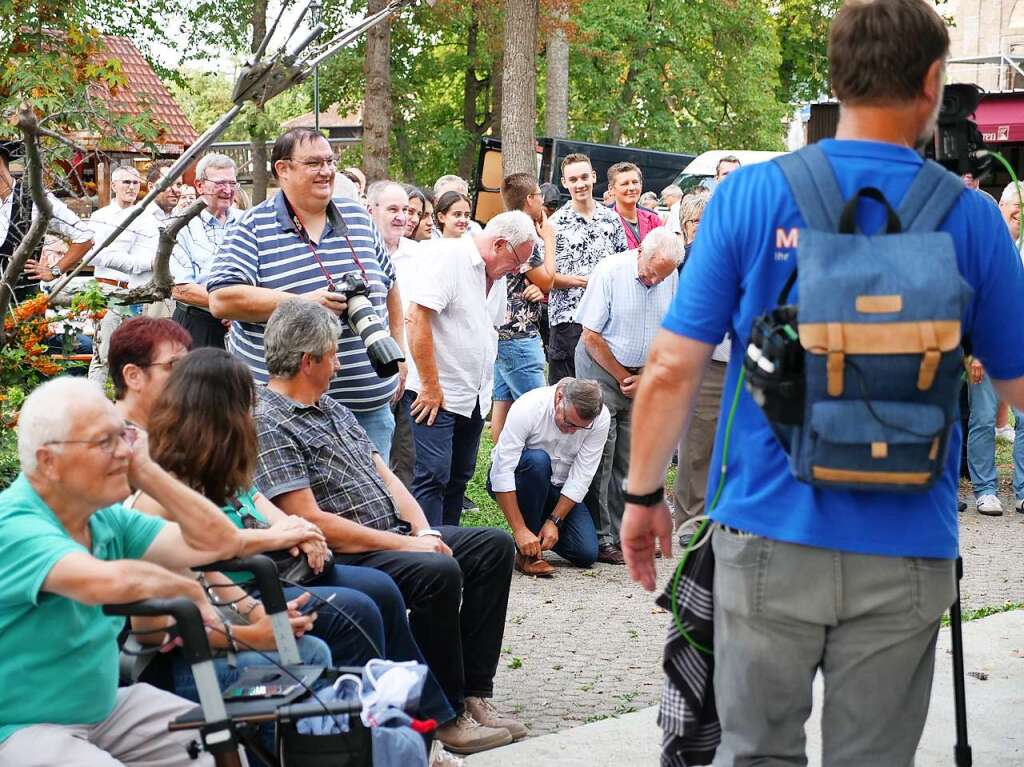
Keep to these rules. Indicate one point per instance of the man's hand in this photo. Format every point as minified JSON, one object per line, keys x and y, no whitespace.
{"x":38,"y":271}
{"x":641,"y":526}
{"x":548,"y":536}
{"x":300,"y":623}
{"x":331,"y":300}
{"x":429,"y":400}
{"x":976,"y":371}
{"x":403,"y":373}
{"x":629,"y":385}
{"x":533,"y":294}
{"x":429,"y":544}
{"x":527,"y":543}
{"x":290,"y":532}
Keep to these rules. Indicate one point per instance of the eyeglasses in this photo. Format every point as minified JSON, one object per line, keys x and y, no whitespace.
{"x":107,"y":444}
{"x":317,"y":163}
{"x":565,"y":418}
{"x":127,"y":182}
{"x":221,"y":184}
{"x":169,"y":364}
{"x":515,"y":256}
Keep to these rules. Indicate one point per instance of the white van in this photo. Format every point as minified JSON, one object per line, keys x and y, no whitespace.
{"x":702,"y":168}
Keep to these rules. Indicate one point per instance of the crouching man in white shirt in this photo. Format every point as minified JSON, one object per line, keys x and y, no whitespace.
{"x":544,"y":461}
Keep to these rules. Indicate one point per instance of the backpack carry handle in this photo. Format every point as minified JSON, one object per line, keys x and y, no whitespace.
{"x":848,"y":218}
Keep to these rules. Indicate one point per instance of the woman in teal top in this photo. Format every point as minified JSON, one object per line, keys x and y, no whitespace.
{"x":202,"y":430}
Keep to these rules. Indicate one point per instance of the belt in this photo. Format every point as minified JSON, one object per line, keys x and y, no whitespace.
{"x":196,"y":310}
{"x":634,"y":371}
{"x":114,"y":283}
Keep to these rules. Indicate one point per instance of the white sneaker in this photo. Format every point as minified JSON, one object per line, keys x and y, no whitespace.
{"x":1005,"y":433}
{"x":990,"y":506}
{"x":441,"y":758}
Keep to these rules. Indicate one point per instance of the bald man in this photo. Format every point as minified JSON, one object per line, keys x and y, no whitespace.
{"x":126,"y":263}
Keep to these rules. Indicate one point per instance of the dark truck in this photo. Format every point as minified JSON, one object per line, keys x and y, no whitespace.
{"x":659,"y":168}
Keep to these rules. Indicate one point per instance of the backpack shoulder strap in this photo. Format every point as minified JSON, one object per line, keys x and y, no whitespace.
{"x":932,"y":194}
{"x":813,"y":184}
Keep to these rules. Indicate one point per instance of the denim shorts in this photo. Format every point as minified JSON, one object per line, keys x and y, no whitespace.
{"x":519,"y":368}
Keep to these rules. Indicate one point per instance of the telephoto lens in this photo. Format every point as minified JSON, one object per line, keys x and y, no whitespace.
{"x":381,"y":348}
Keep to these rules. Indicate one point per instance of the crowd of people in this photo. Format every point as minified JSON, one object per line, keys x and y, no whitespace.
{"x":250,"y":415}
{"x":256,"y":411}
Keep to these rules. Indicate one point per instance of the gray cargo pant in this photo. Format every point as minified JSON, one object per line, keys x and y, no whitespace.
{"x":869,"y":623}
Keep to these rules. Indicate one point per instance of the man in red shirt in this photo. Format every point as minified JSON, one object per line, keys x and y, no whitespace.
{"x":626,"y":184}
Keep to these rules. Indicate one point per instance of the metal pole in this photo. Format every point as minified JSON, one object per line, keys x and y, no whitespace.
{"x":314,"y":9}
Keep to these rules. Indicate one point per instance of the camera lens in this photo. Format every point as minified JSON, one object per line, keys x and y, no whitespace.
{"x":381,"y":348}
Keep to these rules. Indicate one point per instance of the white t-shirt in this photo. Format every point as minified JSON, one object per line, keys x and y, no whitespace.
{"x":451,"y":281}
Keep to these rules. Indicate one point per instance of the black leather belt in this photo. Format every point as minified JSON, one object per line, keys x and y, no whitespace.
{"x":634,"y":371}
{"x":195,"y":310}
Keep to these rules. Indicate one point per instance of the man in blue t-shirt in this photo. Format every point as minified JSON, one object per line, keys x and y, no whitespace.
{"x":853,"y":583}
{"x":67,"y":547}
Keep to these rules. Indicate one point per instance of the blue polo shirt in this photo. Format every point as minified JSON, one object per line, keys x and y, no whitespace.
{"x":741,"y":259}
{"x":264,"y":250}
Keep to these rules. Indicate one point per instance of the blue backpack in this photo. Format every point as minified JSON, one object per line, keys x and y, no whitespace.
{"x":879,"y":323}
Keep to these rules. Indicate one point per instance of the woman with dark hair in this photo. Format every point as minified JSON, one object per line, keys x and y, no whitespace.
{"x":202,"y":430}
{"x":417,"y":210}
{"x":451,"y":213}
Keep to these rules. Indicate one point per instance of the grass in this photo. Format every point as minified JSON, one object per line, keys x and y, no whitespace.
{"x":983,"y":612}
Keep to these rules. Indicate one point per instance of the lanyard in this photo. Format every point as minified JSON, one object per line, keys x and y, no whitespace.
{"x":304,"y":236}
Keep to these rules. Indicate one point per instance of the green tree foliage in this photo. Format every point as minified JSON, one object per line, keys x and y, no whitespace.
{"x":682,"y":75}
{"x":205,"y":96}
{"x":802,"y":28}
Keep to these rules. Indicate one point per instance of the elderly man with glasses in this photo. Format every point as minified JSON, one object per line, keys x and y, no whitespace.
{"x":196,"y":247}
{"x":455,"y":306}
{"x":124,"y":264}
{"x":541,"y":467}
{"x":67,"y":547}
{"x":303,"y":242}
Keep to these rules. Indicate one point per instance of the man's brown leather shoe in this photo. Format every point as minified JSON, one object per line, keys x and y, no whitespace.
{"x":610,"y":554}
{"x":537,"y":567}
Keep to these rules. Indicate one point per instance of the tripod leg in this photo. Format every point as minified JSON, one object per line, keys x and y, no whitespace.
{"x":962,"y":750}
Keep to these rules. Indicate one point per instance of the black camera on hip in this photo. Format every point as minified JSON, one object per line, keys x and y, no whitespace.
{"x":381,"y":348}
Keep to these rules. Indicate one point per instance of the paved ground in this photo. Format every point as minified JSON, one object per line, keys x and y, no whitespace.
{"x":586,"y":645}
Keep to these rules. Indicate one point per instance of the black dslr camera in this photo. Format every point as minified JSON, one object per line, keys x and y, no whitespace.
{"x":381,"y":348}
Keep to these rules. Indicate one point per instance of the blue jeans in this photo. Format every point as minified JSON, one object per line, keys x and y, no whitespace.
{"x":379,"y":425}
{"x":445,"y":461}
{"x":577,"y":540}
{"x":519,"y":368}
{"x":981,"y":441}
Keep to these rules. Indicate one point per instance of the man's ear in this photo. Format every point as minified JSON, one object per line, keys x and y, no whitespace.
{"x":934,"y":81}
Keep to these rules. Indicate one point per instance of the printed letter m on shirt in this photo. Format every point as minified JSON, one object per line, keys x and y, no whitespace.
{"x":786,"y":238}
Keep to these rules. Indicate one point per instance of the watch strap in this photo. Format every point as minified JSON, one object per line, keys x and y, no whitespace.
{"x":556,"y":521}
{"x":649,"y":499}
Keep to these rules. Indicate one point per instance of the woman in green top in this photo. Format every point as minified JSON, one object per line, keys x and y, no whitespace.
{"x":202,"y":430}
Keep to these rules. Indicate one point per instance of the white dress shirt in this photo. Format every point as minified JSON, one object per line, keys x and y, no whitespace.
{"x":451,"y":281}
{"x":530,"y":425}
{"x":404,"y":259}
{"x":64,"y":222}
{"x":129,"y":258}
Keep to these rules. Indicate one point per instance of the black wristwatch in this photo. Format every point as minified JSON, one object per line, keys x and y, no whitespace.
{"x":650,"y":499}
{"x":556,"y":521}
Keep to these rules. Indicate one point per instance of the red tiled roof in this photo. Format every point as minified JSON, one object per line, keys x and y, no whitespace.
{"x":144,"y":91}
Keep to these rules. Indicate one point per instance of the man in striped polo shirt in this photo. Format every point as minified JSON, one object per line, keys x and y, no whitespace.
{"x":301,"y":242}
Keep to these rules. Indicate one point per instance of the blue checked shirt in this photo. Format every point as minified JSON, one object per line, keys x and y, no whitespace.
{"x":321,"y":447}
{"x":197,"y":245}
{"x":265,"y":250}
{"x":622,"y":310}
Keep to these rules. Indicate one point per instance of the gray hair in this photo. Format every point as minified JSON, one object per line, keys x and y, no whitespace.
{"x":1012,"y":193}
{"x":213,"y":160}
{"x":376,"y":190}
{"x":663,"y":242}
{"x":513,"y":226}
{"x":450,"y":181}
{"x":673,"y":190}
{"x":121,"y":170}
{"x":296,"y":327}
{"x":583,"y":394}
{"x":691,"y":207}
{"x":345,"y":187}
{"x":46,"y":415}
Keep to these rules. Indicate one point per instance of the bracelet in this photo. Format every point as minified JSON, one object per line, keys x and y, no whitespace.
{"x":429,"y":531}
{"x":231,"y":639}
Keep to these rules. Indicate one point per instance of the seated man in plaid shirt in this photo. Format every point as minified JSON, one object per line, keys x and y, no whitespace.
{"x":315,"y":461}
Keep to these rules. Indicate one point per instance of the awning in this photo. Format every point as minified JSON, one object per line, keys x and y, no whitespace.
{"x":1001,"y":119}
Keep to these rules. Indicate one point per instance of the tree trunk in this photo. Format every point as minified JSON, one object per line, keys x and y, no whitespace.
{"x":519,"y":89}
{"x":377,"y":103}
{"x":556,"y":103}
{"x":257,"y":132}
